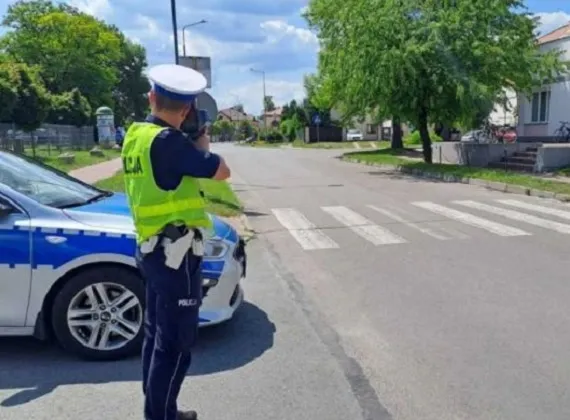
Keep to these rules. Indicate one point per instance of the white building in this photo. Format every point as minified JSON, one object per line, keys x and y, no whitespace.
{"x":505,"y":114}
{"x":539,"y":116}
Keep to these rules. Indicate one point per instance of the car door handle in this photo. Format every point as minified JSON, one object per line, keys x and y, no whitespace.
{"x":56,"y":240}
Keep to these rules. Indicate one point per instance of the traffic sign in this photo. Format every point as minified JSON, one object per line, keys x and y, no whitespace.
{"x":202,"y":65}
{"x":316,"y":119}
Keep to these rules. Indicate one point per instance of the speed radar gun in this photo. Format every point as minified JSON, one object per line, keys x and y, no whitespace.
{"x":196,"y":123}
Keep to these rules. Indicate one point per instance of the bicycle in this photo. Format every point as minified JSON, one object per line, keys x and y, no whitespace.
{"x":506,"y":134}
{"x":485,"y":133}
{"x":562,"y":133}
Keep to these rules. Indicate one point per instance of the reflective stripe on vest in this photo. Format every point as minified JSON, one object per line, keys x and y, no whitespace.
{"x":152,"y":207}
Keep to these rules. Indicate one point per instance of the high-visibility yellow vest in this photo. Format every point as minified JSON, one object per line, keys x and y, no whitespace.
{"x":153,"y":208}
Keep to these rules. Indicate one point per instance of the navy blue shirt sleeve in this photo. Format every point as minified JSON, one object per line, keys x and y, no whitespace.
{"x":173,"y":156}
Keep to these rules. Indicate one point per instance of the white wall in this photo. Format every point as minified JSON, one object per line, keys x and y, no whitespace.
{"x":505,"y":115}
{"x":559,"y":105}
{"x":558,"y":110}
{"x":561,"y":44}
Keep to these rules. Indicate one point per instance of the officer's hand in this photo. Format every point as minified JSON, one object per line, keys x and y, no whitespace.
{"x":203,"y":142}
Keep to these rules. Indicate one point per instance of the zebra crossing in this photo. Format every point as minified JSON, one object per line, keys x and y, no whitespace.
{"x":510,"y":218}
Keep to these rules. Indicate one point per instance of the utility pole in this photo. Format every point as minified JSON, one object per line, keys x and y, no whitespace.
{"x":234,"y":108}
{"x":264,"y":102}
{"x":175,"y":30}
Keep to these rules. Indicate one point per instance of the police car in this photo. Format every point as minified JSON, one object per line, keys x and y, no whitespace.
{"x":67,"y":264}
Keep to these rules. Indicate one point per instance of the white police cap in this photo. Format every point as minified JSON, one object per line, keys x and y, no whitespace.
{"x":177,"y":82}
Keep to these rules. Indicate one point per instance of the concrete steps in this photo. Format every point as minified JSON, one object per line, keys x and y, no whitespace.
{"x":518,"y":161}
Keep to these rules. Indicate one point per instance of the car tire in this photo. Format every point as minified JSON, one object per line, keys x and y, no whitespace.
{"x":114,"y":279}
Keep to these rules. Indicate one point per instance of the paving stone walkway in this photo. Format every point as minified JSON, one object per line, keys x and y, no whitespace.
{"x":93,"y":173}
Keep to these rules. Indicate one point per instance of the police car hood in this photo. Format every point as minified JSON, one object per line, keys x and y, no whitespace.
{"x":112,"y":214}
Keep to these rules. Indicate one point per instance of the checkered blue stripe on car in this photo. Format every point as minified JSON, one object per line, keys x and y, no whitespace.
{"x":15,"y":250}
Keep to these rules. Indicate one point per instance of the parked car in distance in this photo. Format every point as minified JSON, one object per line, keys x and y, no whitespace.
{"x":68,"y":270}
{"x":353,"y":135}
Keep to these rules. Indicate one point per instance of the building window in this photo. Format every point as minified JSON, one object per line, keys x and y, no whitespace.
{"x":371,"y":129}
{"x":540,"y":106}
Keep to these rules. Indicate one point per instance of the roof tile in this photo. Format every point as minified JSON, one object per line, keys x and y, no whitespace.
{"x":555,"y":35}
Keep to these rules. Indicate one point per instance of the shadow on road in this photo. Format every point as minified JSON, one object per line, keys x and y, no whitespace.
{"x":392,"y":174}
{"x":252,"y":187}
{"x":38,"y":368}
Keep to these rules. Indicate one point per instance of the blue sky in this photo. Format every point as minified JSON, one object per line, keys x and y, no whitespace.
{"x":268,"y":35}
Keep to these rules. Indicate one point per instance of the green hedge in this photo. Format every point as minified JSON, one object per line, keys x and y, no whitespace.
{"x":273,"y":136}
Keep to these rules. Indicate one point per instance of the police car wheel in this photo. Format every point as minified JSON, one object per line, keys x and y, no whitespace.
{"x":98,"y":314}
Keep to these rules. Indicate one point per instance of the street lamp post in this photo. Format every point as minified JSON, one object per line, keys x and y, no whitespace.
{"x":264,"y":101}
{"x":184,"y":34}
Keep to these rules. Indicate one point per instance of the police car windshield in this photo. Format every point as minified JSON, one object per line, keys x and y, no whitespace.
{"x":42,"y":183}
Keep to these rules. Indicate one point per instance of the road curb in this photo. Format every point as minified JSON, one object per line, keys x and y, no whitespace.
{"x":491,"y":185}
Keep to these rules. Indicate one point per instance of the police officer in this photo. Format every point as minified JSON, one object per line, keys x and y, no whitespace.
{"x":161,"y":169}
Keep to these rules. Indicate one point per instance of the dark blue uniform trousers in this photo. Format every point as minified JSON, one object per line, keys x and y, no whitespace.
{"x":173,"y":299}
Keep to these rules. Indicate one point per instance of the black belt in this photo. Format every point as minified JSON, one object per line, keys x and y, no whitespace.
{"x":174,"y":232}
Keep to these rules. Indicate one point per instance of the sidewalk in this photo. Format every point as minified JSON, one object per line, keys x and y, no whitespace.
{"x":92,"y":174}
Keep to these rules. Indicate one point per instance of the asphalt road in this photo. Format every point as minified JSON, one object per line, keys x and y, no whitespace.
{"x":370,"y":296}
{"x":267,"y":363}
{"x":441,"y":301}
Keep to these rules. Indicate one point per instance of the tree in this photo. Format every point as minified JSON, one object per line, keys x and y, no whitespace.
{"x":72,"y":49}
{"x":8,"y":93}
{"x":224,"y":129}
{"x":69,"y":108}
{"x":425,"y":61}
{"x":317,"y":100}
{"x":269,"y":104}
{"x":290,"y":127}
{"x":28,"y":101}
{"x":245,"y":129}
{"x":32,"y":100}
{"x":294,"y":110}
{"x":129,"y":95}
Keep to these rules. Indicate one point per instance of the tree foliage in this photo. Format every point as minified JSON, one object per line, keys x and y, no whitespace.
{"x":245,"y":129}
{"x":71,"y":49}
{"x":303,"y":113}
{"x":424,"y":61}
{"x":268,"y":103}
{"x":70,"y":108}
{"x":81,"y":62}
{"x":129,"y":95}
{"x":25,"y":100}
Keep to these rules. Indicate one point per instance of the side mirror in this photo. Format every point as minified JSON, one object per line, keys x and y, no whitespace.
{"x":5,"y":209}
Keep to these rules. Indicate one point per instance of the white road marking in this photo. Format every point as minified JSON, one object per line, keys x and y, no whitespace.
{"x":373,"y":145}
{"x":469,"y":219}
{"x":412,"y":225}
{"x":518,"y":216}
{"x":363,"y":227}
{"x":356,"y":145}
{"x":448,"y":230}
{"x":304,"y":232}
{"x":539,"y":209}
